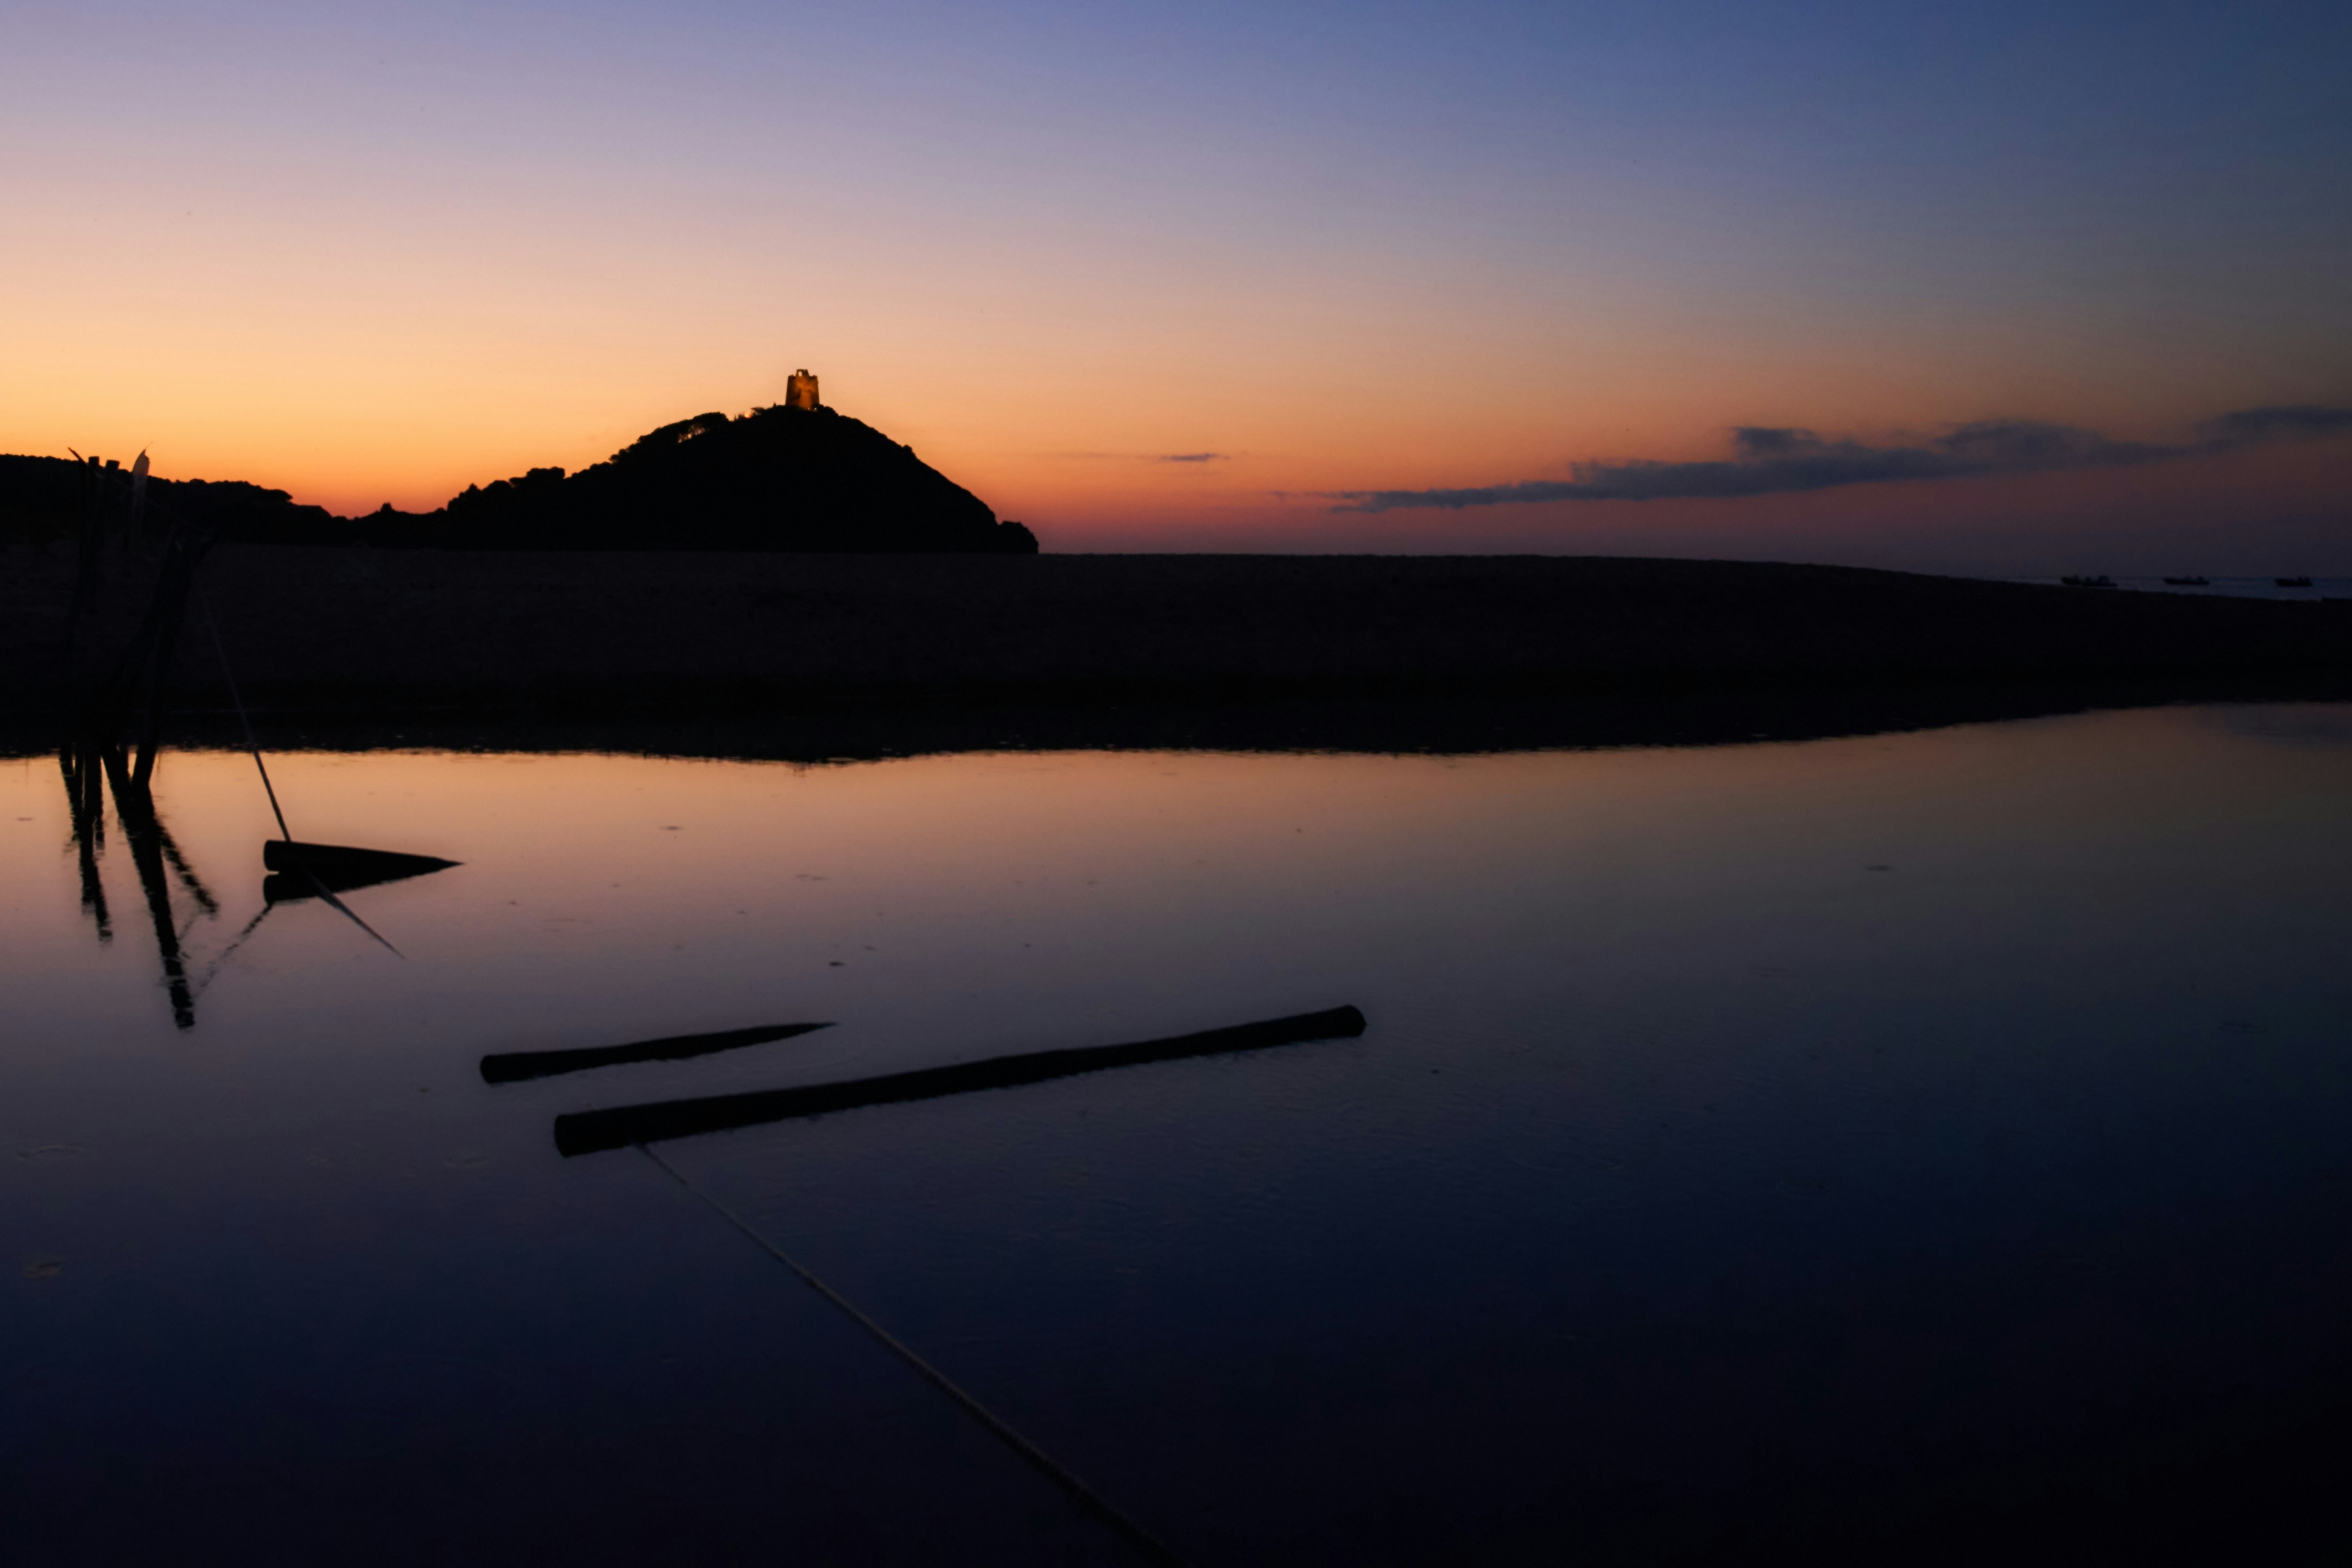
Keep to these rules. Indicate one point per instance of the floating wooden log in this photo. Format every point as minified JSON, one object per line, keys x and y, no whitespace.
{"x":512,"y":1067}
{"x":303,"y":868}
{"x":588,"y":1131}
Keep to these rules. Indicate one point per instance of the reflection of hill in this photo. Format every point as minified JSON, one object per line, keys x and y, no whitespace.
{"x":776,"y":478}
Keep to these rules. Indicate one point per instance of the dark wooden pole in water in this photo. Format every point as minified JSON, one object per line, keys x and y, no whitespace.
{"x":588,"y":1131}
{"x":514,"y":1067}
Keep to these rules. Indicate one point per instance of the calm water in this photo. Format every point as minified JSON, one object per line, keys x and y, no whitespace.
{"x":1837,"y":1143}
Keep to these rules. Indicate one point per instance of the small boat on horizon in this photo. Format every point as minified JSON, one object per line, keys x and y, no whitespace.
{"x":2101,"y":581}
{"x":2292,"y":582}
{"x":2186,"y":583}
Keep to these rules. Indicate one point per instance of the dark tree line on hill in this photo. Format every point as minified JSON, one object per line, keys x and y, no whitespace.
{"x":45,"y":499}
{"x":777,"y":479}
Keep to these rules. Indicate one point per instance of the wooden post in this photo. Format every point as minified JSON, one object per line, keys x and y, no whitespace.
{"x":181,"y":558}
{"x":135,"y":529}
{"x":85,"y":550}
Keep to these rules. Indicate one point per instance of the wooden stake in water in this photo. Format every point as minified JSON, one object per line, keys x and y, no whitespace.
{"x":254,"y":746}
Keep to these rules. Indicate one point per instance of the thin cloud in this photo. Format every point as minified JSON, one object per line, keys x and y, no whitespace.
{"x":2291,"y":422}
{"x":1775,"y":460}
{"x":1149,"y":457}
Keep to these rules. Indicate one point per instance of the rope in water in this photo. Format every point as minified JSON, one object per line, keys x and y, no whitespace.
{"x":1149,"y":1546}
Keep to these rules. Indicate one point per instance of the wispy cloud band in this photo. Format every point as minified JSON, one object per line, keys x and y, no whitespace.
{"x":1771,"y":460}
{"x":1150,"y":457}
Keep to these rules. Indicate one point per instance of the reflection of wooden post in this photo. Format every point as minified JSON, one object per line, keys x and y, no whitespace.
{"x":90,"y":765}
{"x":146,"y":836}
{"x":86,"y":803}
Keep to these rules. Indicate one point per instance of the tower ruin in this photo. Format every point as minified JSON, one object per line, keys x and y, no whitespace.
{"x":801,"y":391}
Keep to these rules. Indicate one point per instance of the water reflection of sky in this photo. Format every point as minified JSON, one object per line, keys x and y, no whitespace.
{"x":1738,"y":1130}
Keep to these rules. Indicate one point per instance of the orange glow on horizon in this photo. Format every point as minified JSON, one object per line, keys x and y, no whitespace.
{"x":351,"y":364}
{"x":378,"y":256}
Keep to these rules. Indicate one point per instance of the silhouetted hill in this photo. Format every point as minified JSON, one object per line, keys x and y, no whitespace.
{"x":778,"y":479}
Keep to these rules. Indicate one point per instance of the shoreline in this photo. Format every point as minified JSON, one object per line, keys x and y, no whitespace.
{"x":1379,"y":645}
{"x":817,"y":734}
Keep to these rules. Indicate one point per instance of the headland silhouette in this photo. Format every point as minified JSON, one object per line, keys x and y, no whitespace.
{"x":795,"y":558}
{"x":793,"y":476}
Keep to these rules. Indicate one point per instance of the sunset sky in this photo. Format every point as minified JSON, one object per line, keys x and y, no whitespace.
{"x":1221,"y":275}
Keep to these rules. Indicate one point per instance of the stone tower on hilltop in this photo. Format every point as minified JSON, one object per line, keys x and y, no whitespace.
{"x":801,"y":391}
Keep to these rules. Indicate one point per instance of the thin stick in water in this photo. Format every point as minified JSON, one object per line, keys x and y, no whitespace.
{"x":254,"y":746}
{"x":243,"y":718}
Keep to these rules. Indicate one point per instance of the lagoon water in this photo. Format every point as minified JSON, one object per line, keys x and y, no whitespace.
{"x":1922,"y":1138}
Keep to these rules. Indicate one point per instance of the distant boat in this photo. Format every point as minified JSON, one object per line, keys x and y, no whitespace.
{"x":2186,"y":583}
{"x":2099,"y":582}
{"x":2292,"y":582}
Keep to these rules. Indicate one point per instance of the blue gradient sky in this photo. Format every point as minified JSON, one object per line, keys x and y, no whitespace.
{"x":372,"y":253}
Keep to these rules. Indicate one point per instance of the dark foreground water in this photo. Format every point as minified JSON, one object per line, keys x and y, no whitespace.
{"x":1892,"y":1149}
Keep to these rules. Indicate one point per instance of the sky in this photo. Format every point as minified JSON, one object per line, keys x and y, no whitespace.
{"x":1976,"y":289}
